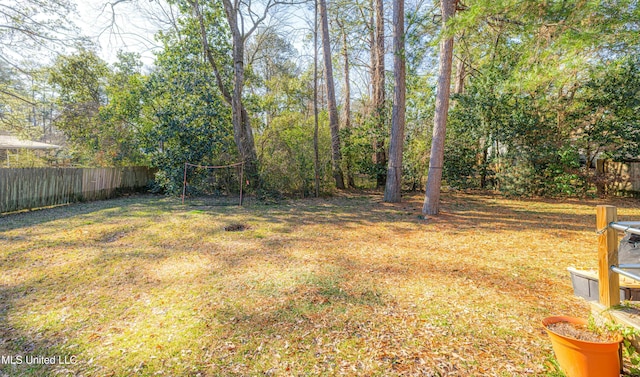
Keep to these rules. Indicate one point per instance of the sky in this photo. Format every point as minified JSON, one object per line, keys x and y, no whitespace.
{"x":124,"y":26}
{"x":136,"y":22}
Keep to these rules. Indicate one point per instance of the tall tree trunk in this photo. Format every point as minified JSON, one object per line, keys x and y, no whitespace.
{"x":242,"y":132}
{"x":393,"y":186}
{"x":372,"y":53}
{"x":460,"y":76}
{"x":434,"y":180}
{"x":346,"y":114}
{"x":336,"y":155}
{"x":316,"y":151}
{"x":379,"y":157}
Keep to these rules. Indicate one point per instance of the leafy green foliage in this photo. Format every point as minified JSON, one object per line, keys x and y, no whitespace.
{"x":286,"y":154}
{"x":607,"y":111}
{"x":80,"y":80}
{"x":359,"y":147}
{"x":420,"y":106}
{"x":121,"y":116}
{"x":100,"y":107}
{"x":509,"y":141}
{"x":552,"y":89}
{"x":185,"y":119}
{"x":25,"y":102}
{"x":285,"y":140}
{"x":550,"y":86}
{"x":461,"y":170}
{"x":629,"y":342}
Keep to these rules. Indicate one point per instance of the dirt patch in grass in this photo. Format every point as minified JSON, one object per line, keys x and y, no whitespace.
{"x":236,"y":227}
{"x":340,"y":286}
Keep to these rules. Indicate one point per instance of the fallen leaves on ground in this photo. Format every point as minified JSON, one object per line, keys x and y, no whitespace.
{"x":339,"y":286}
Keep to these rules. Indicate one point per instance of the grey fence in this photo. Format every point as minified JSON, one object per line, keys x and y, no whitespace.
{"x":27,"y":188}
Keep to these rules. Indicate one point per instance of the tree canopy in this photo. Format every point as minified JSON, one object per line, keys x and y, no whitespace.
{"x":539,"y":92}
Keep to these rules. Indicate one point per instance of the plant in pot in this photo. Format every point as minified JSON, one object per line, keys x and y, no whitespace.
{"x":582,"y":350}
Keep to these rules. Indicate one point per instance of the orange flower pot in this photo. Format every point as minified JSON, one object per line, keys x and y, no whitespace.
{"x":579,"y":358}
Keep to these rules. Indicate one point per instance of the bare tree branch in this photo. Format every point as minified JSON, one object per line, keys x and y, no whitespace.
{"x":18,"y":97}
{"x":207,"y":50}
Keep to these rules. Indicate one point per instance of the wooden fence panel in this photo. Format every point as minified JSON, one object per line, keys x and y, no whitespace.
{"x":27,"y":188}
{"x":624,"y":177}
{"x":135,"y":176}
{"x":100,"y":183}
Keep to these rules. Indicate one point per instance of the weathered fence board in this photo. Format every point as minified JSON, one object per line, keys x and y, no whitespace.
{"x":27,"y":188}
{"x":622,"y":178}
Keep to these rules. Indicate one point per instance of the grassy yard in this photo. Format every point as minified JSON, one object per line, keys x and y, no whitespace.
{"x":146,"y":286}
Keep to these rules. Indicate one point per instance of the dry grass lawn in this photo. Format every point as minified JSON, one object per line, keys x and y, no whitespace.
{"x":146,"y":286}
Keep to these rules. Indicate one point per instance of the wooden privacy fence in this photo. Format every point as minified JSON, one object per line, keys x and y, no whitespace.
{"x":620,"y":178}
{"x":27,"y":188}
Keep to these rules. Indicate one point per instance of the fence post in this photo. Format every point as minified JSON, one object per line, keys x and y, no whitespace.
{"x":609,"y":281}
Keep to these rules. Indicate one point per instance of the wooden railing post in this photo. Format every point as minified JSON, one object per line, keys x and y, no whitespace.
{"x":609,"y":281}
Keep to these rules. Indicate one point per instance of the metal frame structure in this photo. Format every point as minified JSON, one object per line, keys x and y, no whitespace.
{"x":627,"y":227}
{"x":187,"y":164}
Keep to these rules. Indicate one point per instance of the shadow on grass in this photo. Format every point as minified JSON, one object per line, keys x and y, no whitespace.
{"x":101,"y":209}
{"x":299,"y":309}
{"x":23,"y":353}
{"x":459,"y":210}
{"x":342,"y":299}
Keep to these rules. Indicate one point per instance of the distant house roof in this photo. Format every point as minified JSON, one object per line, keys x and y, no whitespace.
{"x":12,"y":142}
